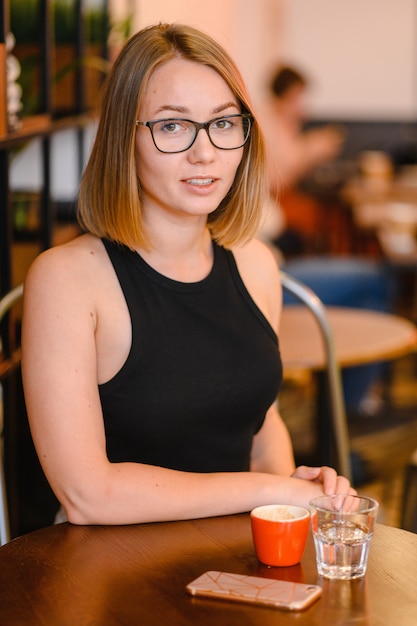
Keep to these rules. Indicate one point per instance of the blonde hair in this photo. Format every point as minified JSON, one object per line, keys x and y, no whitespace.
{"x":109,"y":201}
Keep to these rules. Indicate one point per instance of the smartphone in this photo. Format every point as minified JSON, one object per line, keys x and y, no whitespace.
{"x":282,"y":594}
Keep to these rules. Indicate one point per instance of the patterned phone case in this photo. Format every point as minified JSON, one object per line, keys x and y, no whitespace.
{"x":281,"y":594}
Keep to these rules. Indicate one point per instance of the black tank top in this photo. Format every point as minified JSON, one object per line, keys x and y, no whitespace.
{"x":202,"y":371}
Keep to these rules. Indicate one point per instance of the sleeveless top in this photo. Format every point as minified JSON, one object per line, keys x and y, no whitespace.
{"x":203,"y":369}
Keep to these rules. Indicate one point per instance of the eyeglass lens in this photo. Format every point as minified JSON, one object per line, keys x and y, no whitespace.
{"x":176,"y":135}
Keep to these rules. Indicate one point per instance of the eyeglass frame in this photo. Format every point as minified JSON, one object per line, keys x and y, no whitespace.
{"x":198,"y":126}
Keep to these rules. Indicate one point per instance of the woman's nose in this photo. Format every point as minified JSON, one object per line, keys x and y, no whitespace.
{"x":202,"y":148}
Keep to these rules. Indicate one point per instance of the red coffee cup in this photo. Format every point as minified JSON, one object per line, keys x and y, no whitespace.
{"x":280,"y":533}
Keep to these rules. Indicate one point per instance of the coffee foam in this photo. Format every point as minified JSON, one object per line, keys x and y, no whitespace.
{"x":277,"y":513}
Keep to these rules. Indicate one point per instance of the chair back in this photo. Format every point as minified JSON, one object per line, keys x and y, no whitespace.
{"x":9,"y":360}
{"x":338,"y":412}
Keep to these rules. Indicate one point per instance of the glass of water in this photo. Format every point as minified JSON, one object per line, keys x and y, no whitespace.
{"x":342,"y":527}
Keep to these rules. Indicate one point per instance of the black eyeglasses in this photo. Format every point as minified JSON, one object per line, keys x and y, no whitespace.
{"x":178,"y":135}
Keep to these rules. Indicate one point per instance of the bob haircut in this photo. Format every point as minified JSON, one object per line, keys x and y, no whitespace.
{"x":109,"y":201}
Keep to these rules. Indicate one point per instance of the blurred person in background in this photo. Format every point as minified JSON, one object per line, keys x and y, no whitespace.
{"x":294,"y":153}
{"x":299,"y":150}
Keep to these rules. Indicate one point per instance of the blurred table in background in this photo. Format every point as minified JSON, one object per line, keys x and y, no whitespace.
{"x":385,"y":209}
{"x":360,"y":337}
{"x":384,"y":219}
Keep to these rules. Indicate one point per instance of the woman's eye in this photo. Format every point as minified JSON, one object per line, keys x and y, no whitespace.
{"x":223,"y":124}
{"x":170,"y":127}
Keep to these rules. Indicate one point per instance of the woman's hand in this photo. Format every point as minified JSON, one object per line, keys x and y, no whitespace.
{"x":328,"y":477}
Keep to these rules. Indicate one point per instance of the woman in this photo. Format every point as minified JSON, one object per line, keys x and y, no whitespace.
{"x":151,"y":364}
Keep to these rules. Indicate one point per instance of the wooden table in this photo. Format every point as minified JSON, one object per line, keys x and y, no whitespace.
{"x":360,"y":337}
{"x":135,"y":575}
{"x":364,"y":191}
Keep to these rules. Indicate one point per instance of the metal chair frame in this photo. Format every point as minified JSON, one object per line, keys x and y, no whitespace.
{"x":338,"y":412}
{"x":6,"y":303}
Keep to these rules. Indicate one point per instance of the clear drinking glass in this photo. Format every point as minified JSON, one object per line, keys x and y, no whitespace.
{"x":342,"y":528}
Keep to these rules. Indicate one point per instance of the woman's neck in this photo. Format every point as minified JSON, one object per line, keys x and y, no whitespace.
{"x":186,"y":258}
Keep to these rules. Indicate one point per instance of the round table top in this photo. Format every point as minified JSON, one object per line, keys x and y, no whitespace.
{"x":360,"y":336}
{"x":128,"y":575}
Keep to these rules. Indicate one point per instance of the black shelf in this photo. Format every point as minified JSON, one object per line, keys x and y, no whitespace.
{"x":42,"y":126}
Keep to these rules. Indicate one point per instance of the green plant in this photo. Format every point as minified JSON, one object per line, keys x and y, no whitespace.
{"x":25,"y":22}
{"x":64,"y":20}
{"x":25,"y":26}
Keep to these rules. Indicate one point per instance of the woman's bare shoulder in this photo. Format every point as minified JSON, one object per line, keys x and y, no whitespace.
{"x":67,"y":260}
{"x":68,"y":286}
{"x":256,"y":259}
{"x":75,"y":272}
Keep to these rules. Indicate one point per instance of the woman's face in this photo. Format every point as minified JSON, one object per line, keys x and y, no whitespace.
{"x":194,"y":182}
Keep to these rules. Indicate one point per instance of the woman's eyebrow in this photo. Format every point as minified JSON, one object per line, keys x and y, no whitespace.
{"x":225,"y":106}
{"x":185,"y":110}
{"x":171,"y":107}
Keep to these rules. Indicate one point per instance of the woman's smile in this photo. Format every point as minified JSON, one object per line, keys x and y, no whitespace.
{"x":203,"y":185}
{"x":200,"y":181}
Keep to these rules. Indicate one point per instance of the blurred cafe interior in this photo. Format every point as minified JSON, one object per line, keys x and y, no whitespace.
{"x":357,"y":207}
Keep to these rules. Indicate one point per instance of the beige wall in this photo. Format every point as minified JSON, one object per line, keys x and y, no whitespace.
{"x":248,"y":29}
{"x":362,"y":54}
